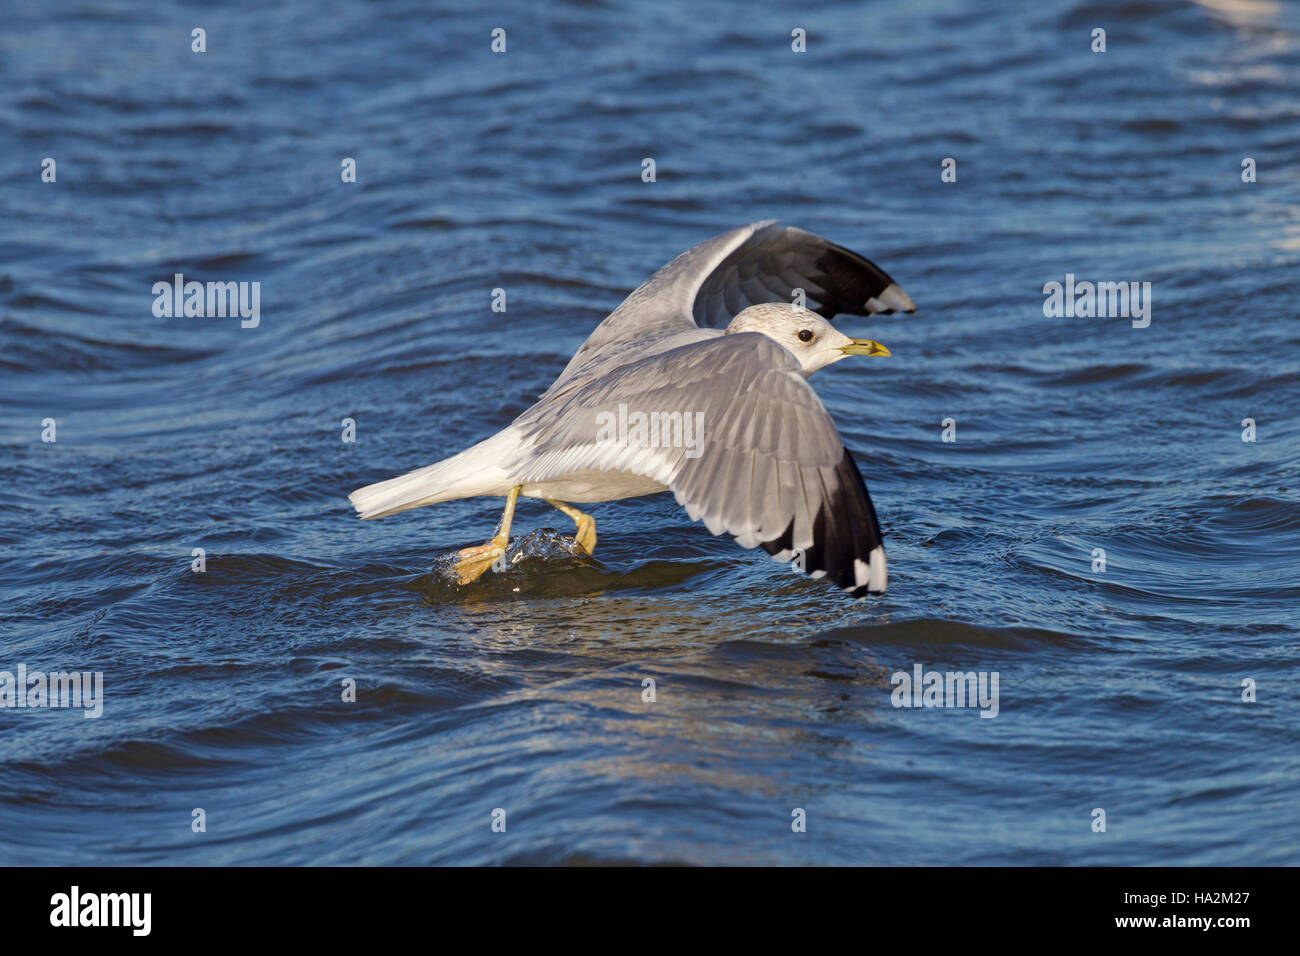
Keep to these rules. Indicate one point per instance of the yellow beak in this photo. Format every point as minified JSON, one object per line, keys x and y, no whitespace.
{"x":864,"y":347}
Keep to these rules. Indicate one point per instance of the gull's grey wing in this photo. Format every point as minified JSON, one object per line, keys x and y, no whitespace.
{"x":753,"y":452}
{"x":708,"y":284}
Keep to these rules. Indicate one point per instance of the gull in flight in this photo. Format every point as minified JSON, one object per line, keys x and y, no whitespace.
{"x":696,"y":384}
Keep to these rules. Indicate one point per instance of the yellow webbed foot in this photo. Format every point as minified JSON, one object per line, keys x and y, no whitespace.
{"x":474,"y":562}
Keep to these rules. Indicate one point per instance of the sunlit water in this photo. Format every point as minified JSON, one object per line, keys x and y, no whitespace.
{"x":1119,"y":689}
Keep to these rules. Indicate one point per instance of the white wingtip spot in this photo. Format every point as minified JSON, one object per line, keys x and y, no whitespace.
{"x":861,"y":573}
{"x":892,"y":299}
{"x":878,"y":573}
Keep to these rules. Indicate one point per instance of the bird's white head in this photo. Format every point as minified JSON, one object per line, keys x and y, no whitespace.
{"x":814,"y":341}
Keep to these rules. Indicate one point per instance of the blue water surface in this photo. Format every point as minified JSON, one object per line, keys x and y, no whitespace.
{"x":1119,"y":689}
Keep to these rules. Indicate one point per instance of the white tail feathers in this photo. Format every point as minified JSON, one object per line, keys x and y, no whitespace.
{"x":420,"y":487}
{"x":473,"y":472}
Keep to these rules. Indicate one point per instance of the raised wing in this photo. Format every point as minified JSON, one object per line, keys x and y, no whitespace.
{"x":708,"y":284}
{"x":774,"y":260}
{"x":743,"y":442}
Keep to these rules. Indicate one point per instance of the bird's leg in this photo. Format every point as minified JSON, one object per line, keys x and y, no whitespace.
{"x":475,"y":561}
{"x":585,"y":539}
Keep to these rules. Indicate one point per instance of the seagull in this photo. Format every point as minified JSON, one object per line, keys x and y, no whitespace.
{"x":696,"y":384}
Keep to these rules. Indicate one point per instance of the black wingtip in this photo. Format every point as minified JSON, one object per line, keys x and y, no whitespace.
{"x":847,"y":547}
{"x":857,"y":286}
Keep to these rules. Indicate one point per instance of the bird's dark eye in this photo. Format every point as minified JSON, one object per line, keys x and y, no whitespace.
{"x":805,"y":335}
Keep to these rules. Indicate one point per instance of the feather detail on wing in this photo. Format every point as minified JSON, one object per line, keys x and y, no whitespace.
{"x":740,"y":438}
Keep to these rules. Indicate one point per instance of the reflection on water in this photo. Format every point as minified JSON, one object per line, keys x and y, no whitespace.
{"x":1243,"y":13}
